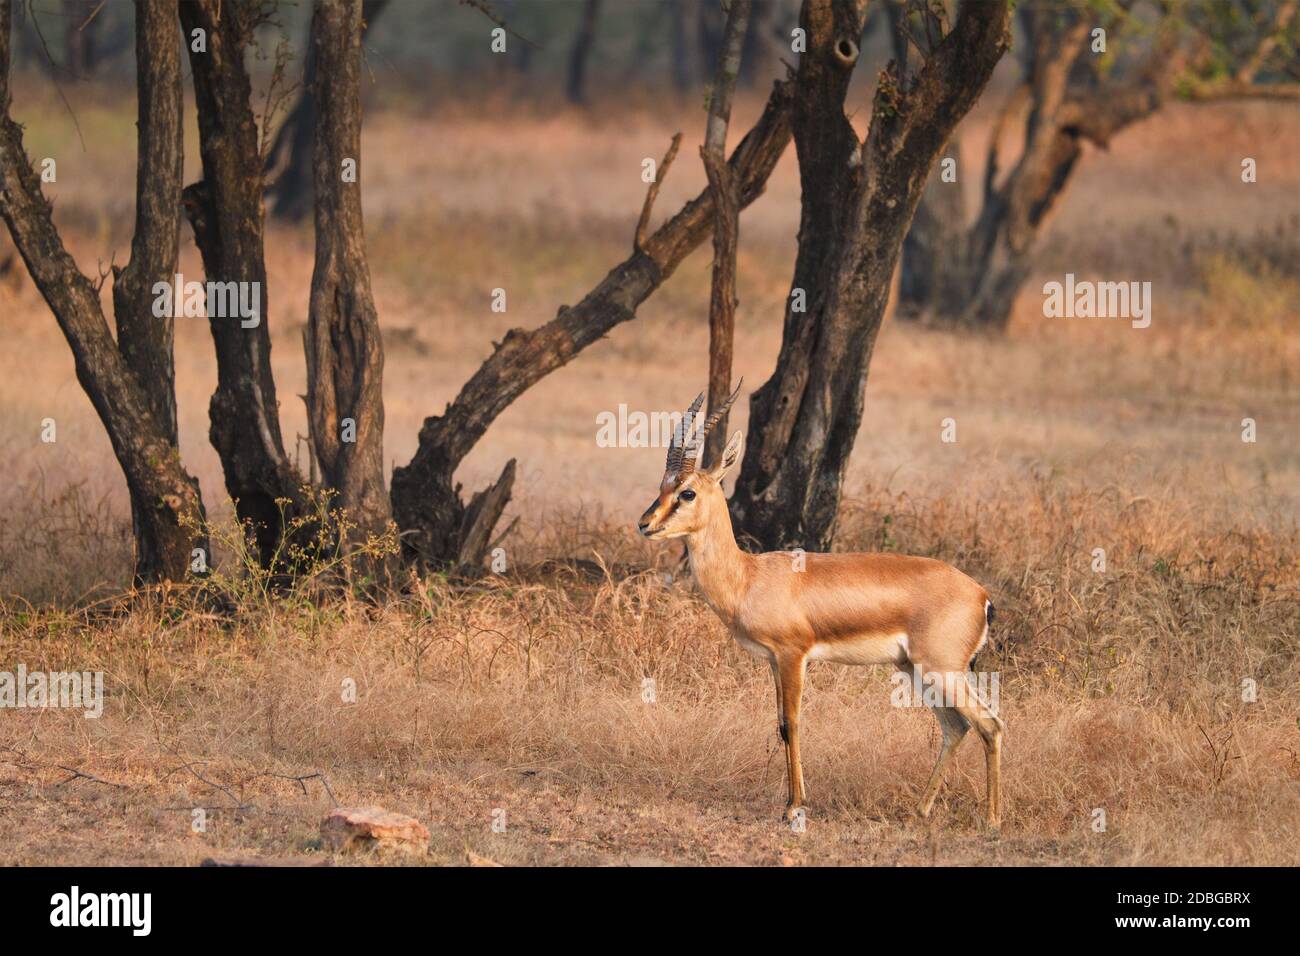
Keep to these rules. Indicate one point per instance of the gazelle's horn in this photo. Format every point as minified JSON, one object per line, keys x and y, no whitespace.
{"x":695,"y":447}
{"x":677,"y":447}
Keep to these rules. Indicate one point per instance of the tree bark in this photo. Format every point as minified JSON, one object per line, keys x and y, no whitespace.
{"x":225,"y":210}
{"x":289,"y":158}
{"x":146,"y":340}
{"x":857,"y":204}
{"x":345,"y":356}
{"x":726,"y":222}
{"x":580,"y":55}
{"x":426,"y":504}
{"x":129,"y":382}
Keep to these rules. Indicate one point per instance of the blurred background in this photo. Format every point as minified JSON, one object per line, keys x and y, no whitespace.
{"x":522,"y":170}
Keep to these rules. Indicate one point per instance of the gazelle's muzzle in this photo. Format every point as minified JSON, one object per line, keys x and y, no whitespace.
{"x":649,"y":523}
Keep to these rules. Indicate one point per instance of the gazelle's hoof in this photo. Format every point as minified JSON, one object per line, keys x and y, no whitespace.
{"x":794,"y":812}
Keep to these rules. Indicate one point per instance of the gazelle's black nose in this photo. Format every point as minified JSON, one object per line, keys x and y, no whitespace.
{"x":642,"y":525}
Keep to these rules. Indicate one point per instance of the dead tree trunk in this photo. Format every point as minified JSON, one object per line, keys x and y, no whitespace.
{"x":145,"y":339}
{"x":345,"y":357}
{"x":288,"y":161}
{"x":858,"y":201}
{"x":580,"y":55}
{"x":994,"y":259}
{"x":726,"y":222}
{"x":128,"y":382}
{"x":426,"y":504}
{"x":979,"y":269}
{"x":225,"y":210}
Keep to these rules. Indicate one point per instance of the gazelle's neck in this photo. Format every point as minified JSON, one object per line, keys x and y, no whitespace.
{"x":719,"y":566}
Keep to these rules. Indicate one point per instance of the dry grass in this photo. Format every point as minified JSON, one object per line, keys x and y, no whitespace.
{"x":1121,"y":691}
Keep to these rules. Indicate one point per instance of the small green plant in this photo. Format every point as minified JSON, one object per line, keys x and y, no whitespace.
{"x":318,"y":549}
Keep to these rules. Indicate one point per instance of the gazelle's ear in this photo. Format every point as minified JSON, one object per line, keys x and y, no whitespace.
{"x":730,"y":455}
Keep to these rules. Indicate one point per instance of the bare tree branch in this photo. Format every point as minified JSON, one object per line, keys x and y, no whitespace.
{"x":426,"y":504}
{"x":661,"y":173}
{"x":483,"y":7}
{"x":726,"y":223}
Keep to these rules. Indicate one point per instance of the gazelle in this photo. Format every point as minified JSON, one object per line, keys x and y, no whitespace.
{"x":789,"y":608}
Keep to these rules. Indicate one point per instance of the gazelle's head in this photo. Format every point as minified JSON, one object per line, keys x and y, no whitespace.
{"x":689,"y":498}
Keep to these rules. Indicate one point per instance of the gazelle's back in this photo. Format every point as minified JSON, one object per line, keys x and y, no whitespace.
{"x":866,"y":608}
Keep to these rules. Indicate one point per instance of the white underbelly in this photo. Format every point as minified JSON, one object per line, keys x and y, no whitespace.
{"x":867,"y":649}
{"x":755,"y":648}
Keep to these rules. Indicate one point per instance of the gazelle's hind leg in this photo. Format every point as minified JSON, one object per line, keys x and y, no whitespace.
{"x":954,"y":727}
{"x":990,"y":728}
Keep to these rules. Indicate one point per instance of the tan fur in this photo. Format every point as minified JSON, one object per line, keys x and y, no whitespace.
{"x":790,"y":608}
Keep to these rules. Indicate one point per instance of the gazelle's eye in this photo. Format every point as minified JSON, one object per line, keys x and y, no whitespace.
{"x":687,"y":495}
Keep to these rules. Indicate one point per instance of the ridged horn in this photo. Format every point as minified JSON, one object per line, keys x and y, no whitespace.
{"x":677,"y":447}
{"x":695,"y":447}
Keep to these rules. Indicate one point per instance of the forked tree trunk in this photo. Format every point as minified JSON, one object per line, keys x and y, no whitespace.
{"x":858,"y":201}
{"x":995,"y":258}
{"x":426,"y":503}
{"x":225,"y":209}
{"x":345,"y":356}
{"x":128,"y":382}
{"x":983,"y":266}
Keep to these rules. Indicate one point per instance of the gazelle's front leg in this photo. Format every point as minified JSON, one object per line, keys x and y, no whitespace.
{"x":780,"y":709}
{"x":788,"y":672}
